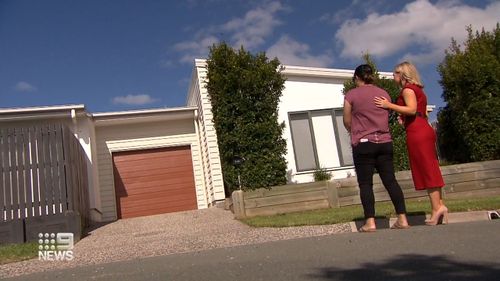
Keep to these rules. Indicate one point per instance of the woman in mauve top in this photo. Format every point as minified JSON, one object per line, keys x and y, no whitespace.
{"x":420,"y":137}
{"x":372,"y":146}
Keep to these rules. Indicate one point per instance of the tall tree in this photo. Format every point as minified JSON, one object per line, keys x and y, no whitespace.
{"x":245,"y":90}
{"x":469,"y":125}
{"x":397,"y":131}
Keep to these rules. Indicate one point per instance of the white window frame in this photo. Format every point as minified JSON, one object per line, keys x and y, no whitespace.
{"x":334,"y":113}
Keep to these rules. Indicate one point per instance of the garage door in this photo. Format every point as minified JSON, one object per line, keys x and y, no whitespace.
{"x":155,"y":181}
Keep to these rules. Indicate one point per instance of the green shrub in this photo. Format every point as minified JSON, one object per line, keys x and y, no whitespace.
{"x":322,"y":175}
{"x":245,"y":90}
{"x":469,"y":125}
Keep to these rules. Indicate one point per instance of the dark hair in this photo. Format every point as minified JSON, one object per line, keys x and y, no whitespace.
{"x":365,"y":73}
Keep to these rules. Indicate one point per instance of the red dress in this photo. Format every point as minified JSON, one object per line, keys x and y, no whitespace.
{"x":421,"y":143}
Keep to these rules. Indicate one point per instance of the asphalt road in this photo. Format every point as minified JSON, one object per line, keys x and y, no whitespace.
{"x":461,"y":251}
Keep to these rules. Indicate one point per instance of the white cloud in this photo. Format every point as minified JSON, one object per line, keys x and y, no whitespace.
{"x":291,"y":52}
{"x":195,"y":49}
{"x":250,"y":31}
{"x":134,"y":100}
{"x":166,"y":63}
{"x":421,"y":23}
{"x":24,"y":87}
{"x":257,"y":24}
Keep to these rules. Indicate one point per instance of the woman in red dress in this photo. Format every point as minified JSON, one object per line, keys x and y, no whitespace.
{"x":420,"y":137}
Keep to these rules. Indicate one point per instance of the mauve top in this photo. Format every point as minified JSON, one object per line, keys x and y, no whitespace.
{"x":369,"y":122}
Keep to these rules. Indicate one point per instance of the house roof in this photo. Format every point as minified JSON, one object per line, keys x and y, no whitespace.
{"x":51,"y":108}
{"x":292,"y":70}
{"x":146,"y":115}
{"x":41,"y":112}
{"x":103,"y":118}
{"x":305,"y":71}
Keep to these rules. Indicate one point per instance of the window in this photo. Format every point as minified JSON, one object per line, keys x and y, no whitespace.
{"x":320,"y":140}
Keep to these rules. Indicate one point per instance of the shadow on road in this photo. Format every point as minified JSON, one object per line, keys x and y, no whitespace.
{"x":413,"y":267}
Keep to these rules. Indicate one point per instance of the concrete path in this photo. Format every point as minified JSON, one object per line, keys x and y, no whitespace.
{"x":419,"y":220}
{"x":458,"y":251}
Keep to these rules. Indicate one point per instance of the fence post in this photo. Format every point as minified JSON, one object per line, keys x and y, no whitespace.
{"x":4,"y":176}
{"x":333,"y":193}
{"x":238,"y":204}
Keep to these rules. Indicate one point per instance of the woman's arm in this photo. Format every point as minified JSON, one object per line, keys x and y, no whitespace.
{"x":347,"y":115}
{"x":410,"y":100}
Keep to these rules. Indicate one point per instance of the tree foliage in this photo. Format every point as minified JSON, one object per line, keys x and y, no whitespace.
{"x":397,"y":131}
{"x":245,"y":90}
{"x":469,"y":125}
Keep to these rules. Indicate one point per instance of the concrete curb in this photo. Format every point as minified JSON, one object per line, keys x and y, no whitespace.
{"x":418,"y":220}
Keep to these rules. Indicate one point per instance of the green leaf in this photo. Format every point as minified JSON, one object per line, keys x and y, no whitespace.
{"x":245,"y":90}
{"x":469,"y":125}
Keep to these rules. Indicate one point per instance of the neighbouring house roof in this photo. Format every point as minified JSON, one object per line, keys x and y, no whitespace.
{"x":41,"y":112}
{"x":146,"y":115}
{"x":103,"y":118}
{"x":42,"y":108}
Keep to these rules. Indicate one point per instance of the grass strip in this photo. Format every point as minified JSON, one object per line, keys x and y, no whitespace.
{"x":418,"y":206}
{"x":18,"y":252}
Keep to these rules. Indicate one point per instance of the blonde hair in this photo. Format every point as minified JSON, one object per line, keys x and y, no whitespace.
{"x":409,"y":73}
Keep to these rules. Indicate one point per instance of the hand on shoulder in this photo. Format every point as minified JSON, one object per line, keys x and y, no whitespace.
{"x":381,"y":102}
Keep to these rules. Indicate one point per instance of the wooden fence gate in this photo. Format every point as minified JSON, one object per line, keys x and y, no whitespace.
{"x":43,"y":183}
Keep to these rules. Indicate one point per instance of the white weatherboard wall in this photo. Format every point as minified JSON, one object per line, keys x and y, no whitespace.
{"x":312,"y":90}
{"x":309,"y":93}
{"x":84,"y":130}
{"x":145,"y":133}
{"x":198,"y":97}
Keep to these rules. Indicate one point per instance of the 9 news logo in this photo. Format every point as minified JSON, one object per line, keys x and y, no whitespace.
{"x":55,"y":247}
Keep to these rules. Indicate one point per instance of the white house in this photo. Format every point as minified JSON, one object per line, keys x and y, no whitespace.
{"x":311,"y":107}
{"x":146,"y":162}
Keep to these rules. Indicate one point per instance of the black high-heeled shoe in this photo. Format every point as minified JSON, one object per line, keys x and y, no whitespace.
{"x":441,"y":216}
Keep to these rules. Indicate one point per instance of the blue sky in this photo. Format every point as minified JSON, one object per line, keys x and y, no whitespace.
{"x":121,"y":55}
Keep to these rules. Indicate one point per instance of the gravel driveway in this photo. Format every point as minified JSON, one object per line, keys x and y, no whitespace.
{"x":167,"y":234}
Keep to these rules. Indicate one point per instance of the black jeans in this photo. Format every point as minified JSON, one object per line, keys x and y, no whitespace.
{"x":368,"y":156}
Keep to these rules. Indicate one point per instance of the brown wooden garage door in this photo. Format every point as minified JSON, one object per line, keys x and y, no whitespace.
{"x":154,"y":181}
